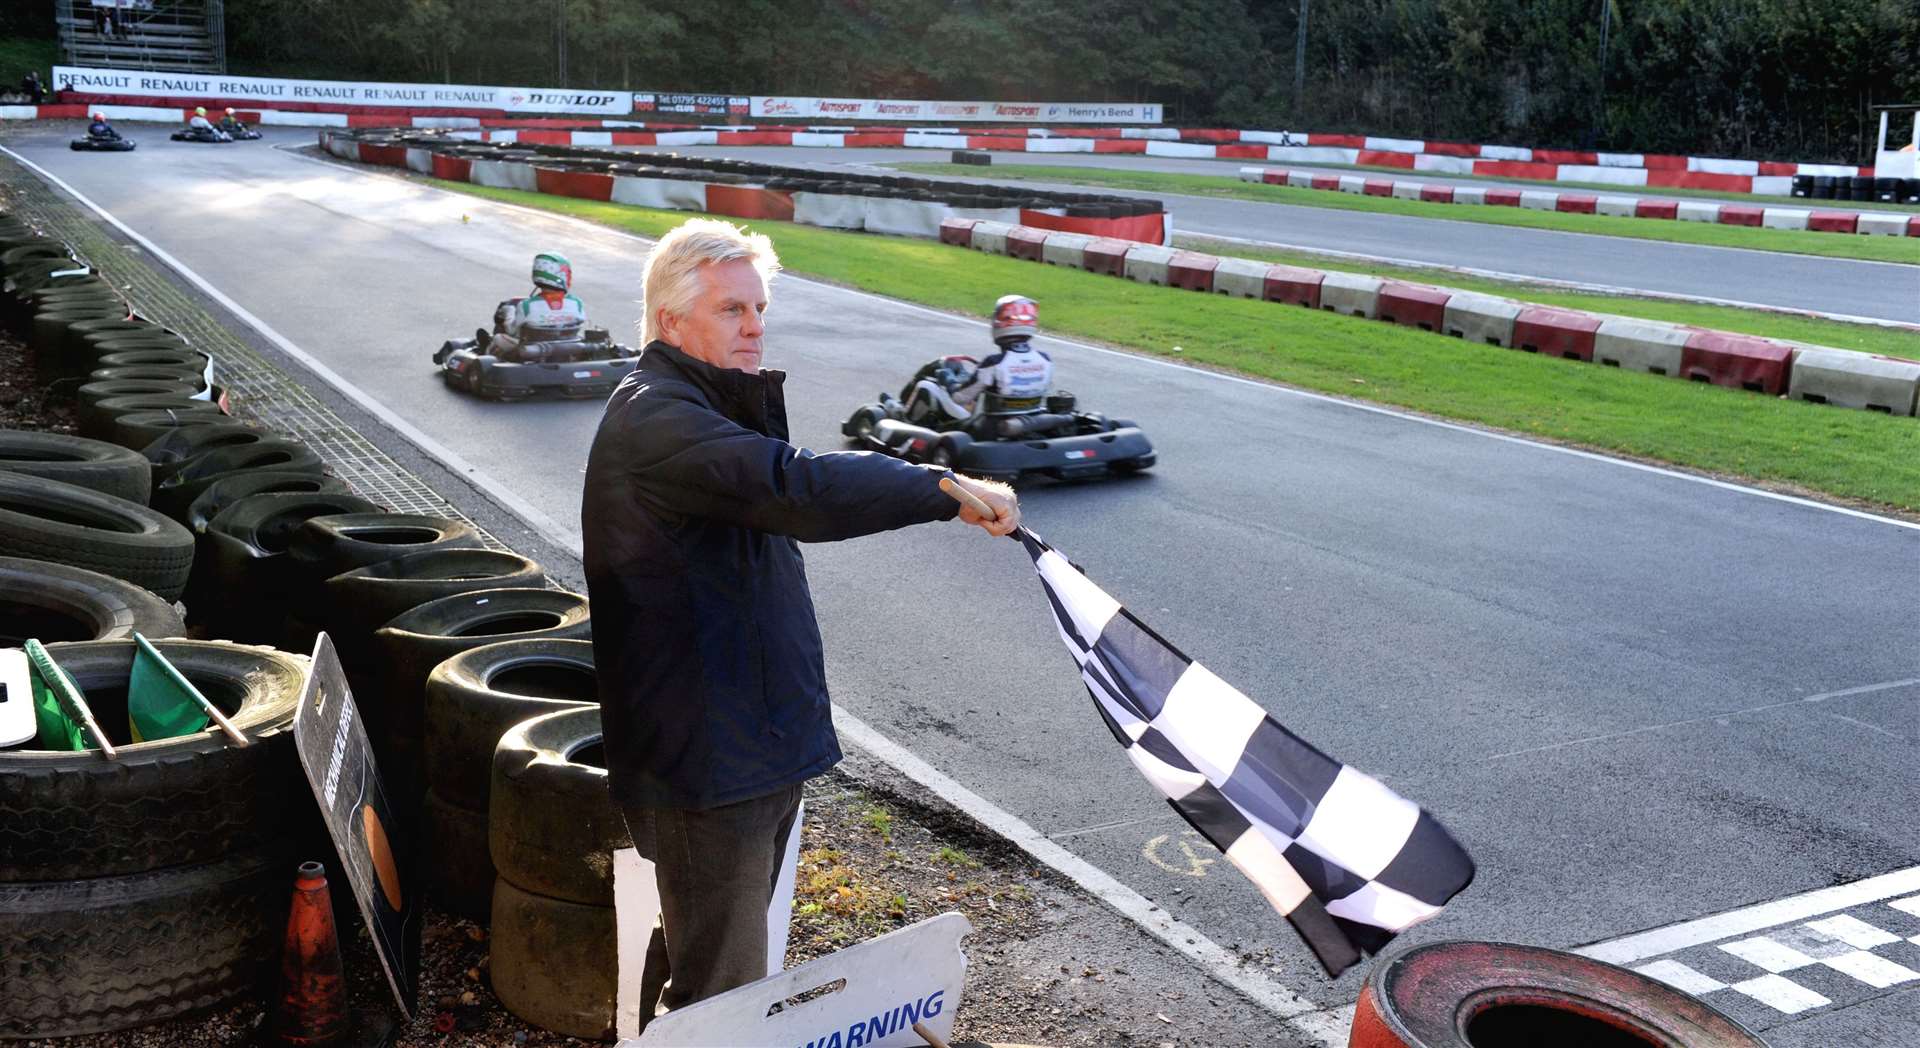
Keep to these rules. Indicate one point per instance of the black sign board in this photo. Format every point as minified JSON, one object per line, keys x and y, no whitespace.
{"x":339,"y":764}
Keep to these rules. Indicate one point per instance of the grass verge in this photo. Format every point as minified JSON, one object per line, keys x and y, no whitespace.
{"x":1851,"y":454}
{"x":1826,"y":245}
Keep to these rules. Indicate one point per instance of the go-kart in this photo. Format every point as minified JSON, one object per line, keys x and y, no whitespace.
{"x":200,"y":134}
{"x":584,"y":363}
{"x":240,"y":132}
{"x":1003,"y":440}
{"x":108,"y":143}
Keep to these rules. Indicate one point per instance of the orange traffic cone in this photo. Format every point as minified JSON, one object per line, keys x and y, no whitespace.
{"x":312,"y":1006}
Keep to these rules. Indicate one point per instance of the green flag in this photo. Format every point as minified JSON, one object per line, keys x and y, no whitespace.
{"x":161,"y":704}
{"x":58,"y":731}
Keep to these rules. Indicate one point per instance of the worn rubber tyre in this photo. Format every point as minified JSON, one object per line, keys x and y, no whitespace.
{"x":191,"y":359}
{"x":242,"y":576}
{"x":1497,"y":995}
{"x":221,"y":494}
{"x":48,"y":520}
{"x":102,"y":424}
{"x":56,"y":602}
{"x":473,"y":698}
{"x":168,"y":802}
{"x":323,"y":547}
{"x":144,"y":372}
{"x":176,"y":447}
{"x":112,"y":953}
{"x":367,"y":598}
{"x":96,"y":464}
{"x":92,"y":417}
{"x":553,"y":962}
{"x":177,"y":491}
{"x":405,"y":651}
{"x":551,"y":825}
{"x":459,"y":873}
{"x":137,"y":429}
{"x":50,"y":326}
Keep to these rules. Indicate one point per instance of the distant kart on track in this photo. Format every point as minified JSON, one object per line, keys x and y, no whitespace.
{"x":1053,"y":440}
{"x":588,"y":365}
{"x":200,"y":134}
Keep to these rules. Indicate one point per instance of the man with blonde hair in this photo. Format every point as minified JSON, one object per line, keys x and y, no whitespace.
{"x":713,"y":689}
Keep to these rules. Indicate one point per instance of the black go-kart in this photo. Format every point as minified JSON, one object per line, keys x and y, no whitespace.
{"x":586,"y":364}
{"x":241,"y":133}
{"x":112,"y":143}
{"x":1003,"y":441}
{"x":200,"y":134}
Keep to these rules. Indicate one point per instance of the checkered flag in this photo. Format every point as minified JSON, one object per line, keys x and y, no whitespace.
{"x":1348,"y":861}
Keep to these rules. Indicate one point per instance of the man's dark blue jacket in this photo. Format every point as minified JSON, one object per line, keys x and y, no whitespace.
{"x":712,"y":681}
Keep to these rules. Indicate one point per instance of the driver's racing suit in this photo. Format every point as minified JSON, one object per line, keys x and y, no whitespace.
{"x":544,"y":316}
{"x":1018,"y":375}
{"x":199,"y":123}
{"x":102,"y":130}
{"x":232,"y":125}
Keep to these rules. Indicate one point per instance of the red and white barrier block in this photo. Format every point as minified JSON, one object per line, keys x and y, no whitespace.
{"x":1789,"y":218}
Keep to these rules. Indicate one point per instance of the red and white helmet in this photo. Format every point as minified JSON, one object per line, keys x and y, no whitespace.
{"x":1015,"y":317}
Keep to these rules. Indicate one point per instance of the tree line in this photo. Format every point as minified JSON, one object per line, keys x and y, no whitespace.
{"x":1780,"y":79}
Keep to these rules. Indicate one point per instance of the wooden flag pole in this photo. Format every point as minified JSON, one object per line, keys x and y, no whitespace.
{"x":213,"y":713}
{"x":69,"y":696}
{"x":927,"y":1035}
{"x":967,"y":498}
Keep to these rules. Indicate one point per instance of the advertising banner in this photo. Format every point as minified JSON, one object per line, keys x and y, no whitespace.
{"x":670,"y":102}
{"x":268,"y":90}
{"x":803,"y":107}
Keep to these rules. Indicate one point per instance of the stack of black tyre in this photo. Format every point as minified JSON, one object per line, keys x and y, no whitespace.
{"x":135,"y":889}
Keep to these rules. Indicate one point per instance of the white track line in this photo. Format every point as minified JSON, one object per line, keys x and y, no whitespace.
{"x":1308,"y":1019}
{"x":1641,"y":945}
{"x":1145,"y":359}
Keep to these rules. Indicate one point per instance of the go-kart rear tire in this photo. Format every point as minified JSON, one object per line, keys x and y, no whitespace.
{"x":948,"y":450}
{"x":860,"y":425}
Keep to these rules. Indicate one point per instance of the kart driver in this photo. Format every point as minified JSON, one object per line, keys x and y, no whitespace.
{"x":548,"y":314}
{"x":100,"y":128}
{"x":1017,"y":377}
{"x":198,"y":121}
{"x":231,"y":124}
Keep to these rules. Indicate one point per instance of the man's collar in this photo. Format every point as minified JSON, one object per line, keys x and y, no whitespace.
{"x":742,"y":395}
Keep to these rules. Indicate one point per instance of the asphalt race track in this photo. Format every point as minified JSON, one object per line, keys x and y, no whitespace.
{"x":1848,"y":287}
{"x":1620,"y":687}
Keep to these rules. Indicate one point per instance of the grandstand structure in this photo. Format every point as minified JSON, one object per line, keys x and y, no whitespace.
{"x":175,"y":36}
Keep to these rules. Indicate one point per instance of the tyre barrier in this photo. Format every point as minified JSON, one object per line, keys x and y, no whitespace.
{"x":552,"y":832}
{"x":186,"y":480}
{"x":243,"y":550}
{"x":57,"y":602}
{"x":356,"y":603}
{"x":406,"y":650}
{"x":106,"y":468}
{"x":322,"y":547}
{"x":472,"y":699}
{"x":1736,"y":361}
{"x":1496,"y":995}
{"x":48,"y":520}
{"x":103,"y":423}
{"x":221,"y":494}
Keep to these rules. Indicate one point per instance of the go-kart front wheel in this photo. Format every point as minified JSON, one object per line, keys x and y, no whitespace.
{"x":860,"y":425}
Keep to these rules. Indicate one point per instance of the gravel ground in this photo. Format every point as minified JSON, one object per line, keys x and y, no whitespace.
{"x":1047,"y":964}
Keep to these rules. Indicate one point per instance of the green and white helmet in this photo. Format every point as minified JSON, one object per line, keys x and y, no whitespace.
{"x":552,"y":271}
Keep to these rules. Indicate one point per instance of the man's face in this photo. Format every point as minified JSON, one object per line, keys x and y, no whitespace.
{"x":726,"y":322}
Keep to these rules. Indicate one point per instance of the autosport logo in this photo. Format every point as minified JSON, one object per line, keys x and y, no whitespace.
{"x":897,"y":108}
{"x":839,"y":107}
{"x":953,"y":109}
{"x":1007,"y":110}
